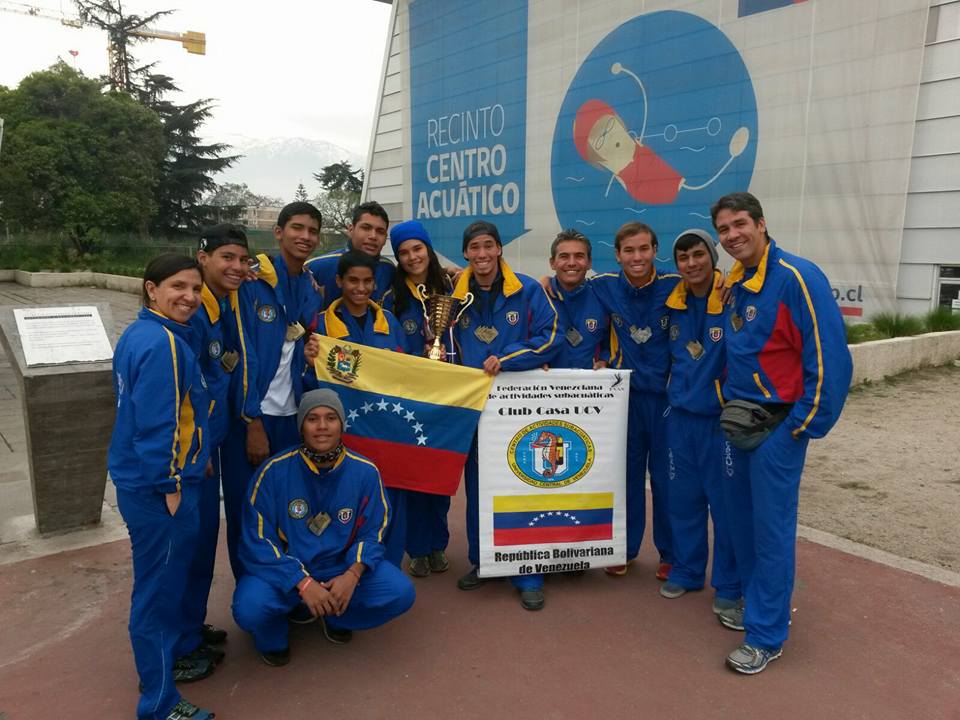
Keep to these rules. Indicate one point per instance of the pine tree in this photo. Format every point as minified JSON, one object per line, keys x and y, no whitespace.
{"x":301,"y":194}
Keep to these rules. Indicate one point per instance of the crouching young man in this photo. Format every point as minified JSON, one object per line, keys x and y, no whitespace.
{"x":312,"y":535}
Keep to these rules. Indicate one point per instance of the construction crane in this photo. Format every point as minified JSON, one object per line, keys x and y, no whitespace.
{"x":193,"y":42}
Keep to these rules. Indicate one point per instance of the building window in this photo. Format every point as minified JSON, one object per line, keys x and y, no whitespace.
{"x":943,"y":23}
{"x":949,"y":286}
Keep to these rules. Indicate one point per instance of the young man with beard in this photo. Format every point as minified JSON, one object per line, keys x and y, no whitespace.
{"x":313,"y":528}
{"x":788,"y":373}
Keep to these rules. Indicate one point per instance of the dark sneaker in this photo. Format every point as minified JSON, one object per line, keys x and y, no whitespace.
{"x":338,"y":636}
{"x":439,"y":562}
{"x":213,"y":653}
{"x":301,"y":615}
{"x":671,"y":590}
{"x":213,"y":635}
{"x":184,"y":710}
{"x":663,"y":570}
{"x":724,"y":604}
{"x":732,"y":619}
{"x":470,"y":581}
{"x":531,"y":599}
{"x":419,"y":566}
{"x":751,"y":660}
{"x":191,"y":668}
{"x":276,"y":658}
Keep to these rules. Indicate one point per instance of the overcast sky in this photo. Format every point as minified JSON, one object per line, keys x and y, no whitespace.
{"x":277,"y":69}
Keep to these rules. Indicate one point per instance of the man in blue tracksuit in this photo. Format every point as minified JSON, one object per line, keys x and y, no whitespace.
{"x":694,"y":439}
{"x":356,"y":318}
{"x":511,"y":325}
{"x":583,"y":319}
{"x":787,"y":352}
{"x":224,"y":257}
{"x":635,"y":299}
{"x":275,"y":311}
{"x":312,"y":536}
{"x":367,"y":233}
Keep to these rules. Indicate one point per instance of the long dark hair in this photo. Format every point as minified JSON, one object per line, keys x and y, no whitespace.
{"x":164,"y":266}
{"x":437,"y":282}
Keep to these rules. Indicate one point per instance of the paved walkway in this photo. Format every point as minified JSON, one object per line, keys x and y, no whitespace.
{"x":868,"y":640}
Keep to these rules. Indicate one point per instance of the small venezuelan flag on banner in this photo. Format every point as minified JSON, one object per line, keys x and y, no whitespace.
{"x":413,"y":417}
{"x":536,"y":519}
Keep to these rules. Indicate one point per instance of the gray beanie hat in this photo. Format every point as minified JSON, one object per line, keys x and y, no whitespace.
{"x":319,"y":398}
{"x":703,"y":235}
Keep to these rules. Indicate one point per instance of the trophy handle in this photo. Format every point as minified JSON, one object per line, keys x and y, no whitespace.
{"x":422,"y":289}
{"x":464,"y":304}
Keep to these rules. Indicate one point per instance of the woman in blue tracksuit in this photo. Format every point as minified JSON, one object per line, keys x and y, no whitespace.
{"x":157,"y":460}
{"x":417,"y":264}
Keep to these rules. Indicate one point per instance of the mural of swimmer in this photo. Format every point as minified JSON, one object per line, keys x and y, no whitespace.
{"x":602,"y":139}
{"x":659,"y":120}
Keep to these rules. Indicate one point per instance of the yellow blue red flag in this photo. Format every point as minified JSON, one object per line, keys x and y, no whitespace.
{"x":413,"y":417}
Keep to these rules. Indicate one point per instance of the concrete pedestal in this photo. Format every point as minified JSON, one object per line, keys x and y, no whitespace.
{"x":68,"y":413}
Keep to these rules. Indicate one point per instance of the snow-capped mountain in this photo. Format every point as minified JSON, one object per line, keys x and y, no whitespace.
{"x":275,"y":166}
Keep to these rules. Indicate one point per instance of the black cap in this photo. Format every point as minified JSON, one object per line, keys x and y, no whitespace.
{"x":223,"y":234}
{"x":480,"y":227}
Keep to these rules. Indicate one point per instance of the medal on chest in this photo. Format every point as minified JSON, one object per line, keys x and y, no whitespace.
{"x":640,"y":335}
{"x":574,"y":337}
{"x":736,"y":321}
{"x":695,"y":349}
{"x":486,"y":333}
{"x":295,"y":331}
{"x":318,"y":523}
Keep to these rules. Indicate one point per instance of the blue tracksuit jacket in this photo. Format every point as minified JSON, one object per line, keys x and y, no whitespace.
{"x":581,"y":310}
{"x":786,"y":342}
{"x":286,"y":492}
{"x":638,"y":326}
{"x":159,"y":437}
{"x":324,"y":270}
{"x":698,"y":360}
{"x":267,"y":306}
{"x":524,"y":317}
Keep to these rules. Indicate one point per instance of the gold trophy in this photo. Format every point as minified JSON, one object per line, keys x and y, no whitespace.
{"x":438,"y":312}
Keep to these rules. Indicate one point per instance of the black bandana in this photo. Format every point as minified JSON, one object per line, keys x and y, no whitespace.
{"x":322,"y":458}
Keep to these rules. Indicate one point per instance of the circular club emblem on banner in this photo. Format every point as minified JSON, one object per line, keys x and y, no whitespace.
{"x":550,"y":453}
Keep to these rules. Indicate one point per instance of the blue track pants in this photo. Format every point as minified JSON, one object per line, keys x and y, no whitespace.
{"x":695,"y":452}
{"x":261,"y":609}
{"x":427,"y":528}
{"x":163,"y":549}
{"x":647,"y":449}
{"x":761,"y":493}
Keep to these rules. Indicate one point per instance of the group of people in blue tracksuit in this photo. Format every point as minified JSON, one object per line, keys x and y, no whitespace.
{"x":216,"y":393}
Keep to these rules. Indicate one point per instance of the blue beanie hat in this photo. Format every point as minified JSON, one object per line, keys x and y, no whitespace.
{"x":409,"y":230}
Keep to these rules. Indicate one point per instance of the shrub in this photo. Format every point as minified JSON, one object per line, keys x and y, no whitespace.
{"x":897,"y":325}
{"x":863,"y":332}
{"x":941,"y":320}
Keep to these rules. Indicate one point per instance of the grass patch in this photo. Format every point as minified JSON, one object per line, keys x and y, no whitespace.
{"x":863,"y":332}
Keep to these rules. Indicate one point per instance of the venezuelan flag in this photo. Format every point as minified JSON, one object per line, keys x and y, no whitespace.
{"x":413,"y":417}
{"x":548,"y":518}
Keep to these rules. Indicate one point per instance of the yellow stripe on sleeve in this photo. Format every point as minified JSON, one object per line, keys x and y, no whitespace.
{"x":816,"y":337}
{"x":174,"y":453}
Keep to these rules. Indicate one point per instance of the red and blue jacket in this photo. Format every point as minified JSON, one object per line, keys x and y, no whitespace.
{"x":638,"y":326}
{"x":267,"y":306}
{"x":324,"y":270}
{"x":786,"y":342}
{"x":515,"y":321}
{"x":381,"y":330}
{"x":303,"y":521}
{"x":698,"y":358}
{"x":581,"y":312}
{"x":159,"y":437}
